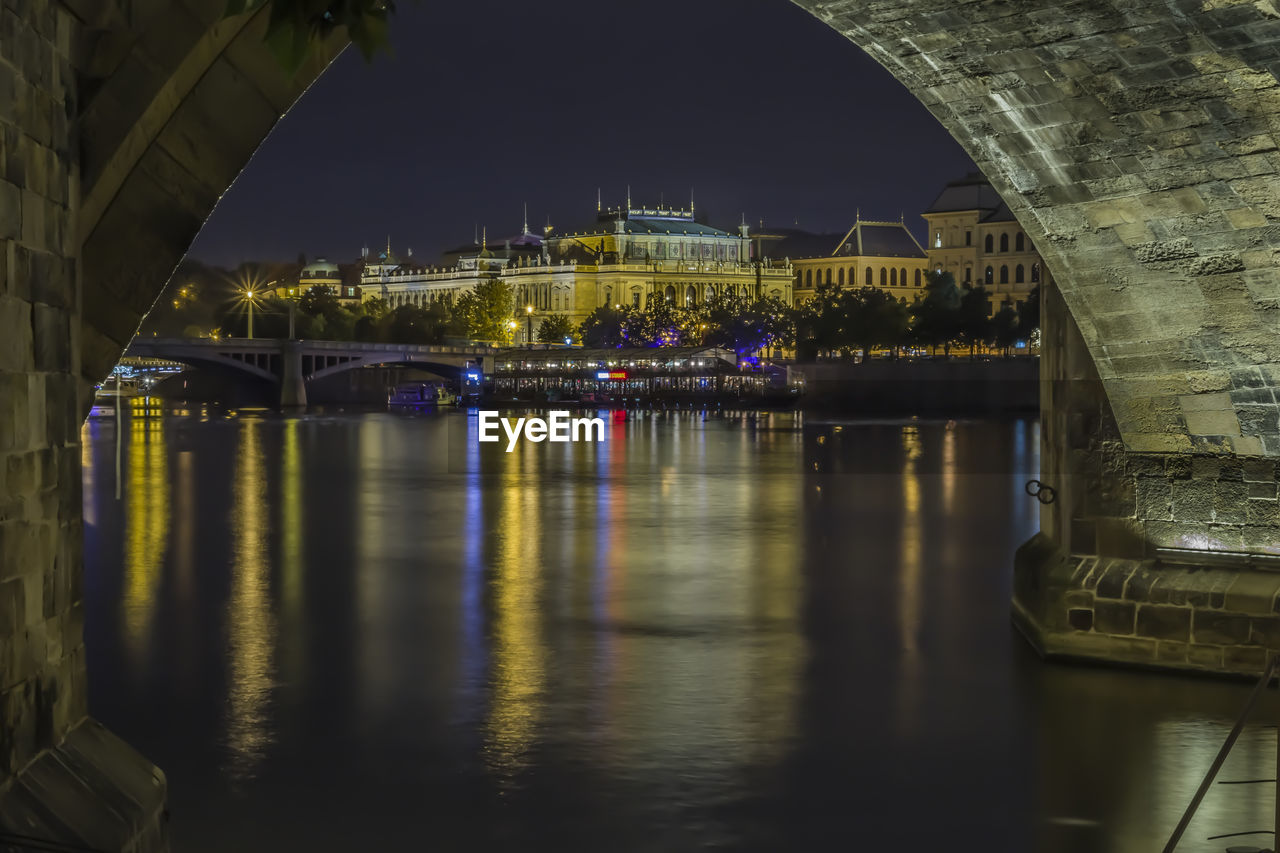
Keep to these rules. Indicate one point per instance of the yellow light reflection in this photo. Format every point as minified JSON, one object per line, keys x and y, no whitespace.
{"x":909,"y":572}
{"x":519,"y":657}
{"x":146,"y":528}
{"x":291,"y":547}
{"x":949,"y":468}
{"x":251,"y":625}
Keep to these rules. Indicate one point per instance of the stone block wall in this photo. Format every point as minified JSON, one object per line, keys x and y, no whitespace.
{"x":42,"y":691}
{"x":1207,"y":618}
{"x":1138,"y":144}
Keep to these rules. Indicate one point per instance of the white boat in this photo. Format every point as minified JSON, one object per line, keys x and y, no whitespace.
{"x":421,"y":394}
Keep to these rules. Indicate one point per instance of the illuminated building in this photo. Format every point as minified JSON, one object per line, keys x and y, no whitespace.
{"x":884,"y":255}
{"x":320,"y":273}
{"x":629,"y":256}
{"x":974,"y":236}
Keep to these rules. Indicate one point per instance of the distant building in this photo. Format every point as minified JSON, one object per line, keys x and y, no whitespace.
{"x":877,"y":254}
{"x":974,"y":236}
{"x":630,"y":256}
{"x":319,"y":273}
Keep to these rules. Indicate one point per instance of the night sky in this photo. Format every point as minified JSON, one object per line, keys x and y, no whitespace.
{"x":485,"y":105}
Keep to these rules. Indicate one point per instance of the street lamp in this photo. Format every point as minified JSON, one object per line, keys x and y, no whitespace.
{"x":528,"y":310}
{"x":513,"y":325}
{"x":248,"y":296}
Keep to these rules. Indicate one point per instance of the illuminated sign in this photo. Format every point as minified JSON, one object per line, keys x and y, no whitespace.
{"x":611,"y":374}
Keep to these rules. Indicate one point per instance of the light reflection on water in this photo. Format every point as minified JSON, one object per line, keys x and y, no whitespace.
{"x":734,"y":632}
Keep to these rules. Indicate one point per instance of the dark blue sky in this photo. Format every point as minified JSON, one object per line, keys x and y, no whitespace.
{"x":486,"y":105}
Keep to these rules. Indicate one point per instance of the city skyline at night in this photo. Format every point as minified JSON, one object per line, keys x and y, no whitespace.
{"x":763,"y":113}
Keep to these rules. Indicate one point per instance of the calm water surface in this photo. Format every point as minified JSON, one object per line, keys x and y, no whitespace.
{"x":358,"y":631}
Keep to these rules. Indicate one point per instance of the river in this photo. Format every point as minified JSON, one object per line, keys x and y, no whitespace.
{"x":751,"y":631}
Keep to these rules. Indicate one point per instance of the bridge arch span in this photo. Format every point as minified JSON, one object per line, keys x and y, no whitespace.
{"x":440,"y":368}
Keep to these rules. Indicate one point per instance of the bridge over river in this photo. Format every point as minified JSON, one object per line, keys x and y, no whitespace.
{"x":291,"y":365}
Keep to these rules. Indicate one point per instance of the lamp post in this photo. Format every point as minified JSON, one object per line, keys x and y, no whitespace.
{"x":248,"y":294}
{"x":528,"y":310}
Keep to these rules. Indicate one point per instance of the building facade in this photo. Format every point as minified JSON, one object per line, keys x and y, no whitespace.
{"x":319,"y":273}
{"x":974,"y":236}
{"x":884,"y":255}
{"x":628,"y":256}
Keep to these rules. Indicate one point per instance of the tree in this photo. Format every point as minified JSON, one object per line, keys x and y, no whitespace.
{"x":1029,"y":314}
{"x":375,"y":307}
{"x":935,"y":317}
{"x":295,"y":26}
{"x":1004,"y":329}
{"x":556,"y":329}
{"x":973,"y":320}
{"x":319,"y":300}
{"x":487,"y":310}
{"x":662,"y":324}
{"x":819,"y":323}
{"x":605,"y":327}
{"x":872,"y":318}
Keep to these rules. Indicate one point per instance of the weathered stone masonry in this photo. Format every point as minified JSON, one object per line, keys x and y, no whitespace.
{"x":1138,"y":144}
{"x":121,"y":123}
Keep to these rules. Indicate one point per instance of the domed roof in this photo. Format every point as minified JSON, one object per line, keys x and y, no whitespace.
{"x":318,"y":269}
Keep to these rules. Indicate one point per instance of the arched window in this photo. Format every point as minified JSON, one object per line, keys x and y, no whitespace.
{"x":808,"y":278}
{"x":1004,"y":274}
{"x":853,"y":276}
{"x":893,"y":278}
{"x":1020,"y":242}
{"x":902,"y":276}
{"x":608,"y":296}
{"x":937,"y":240}
{"x":711,"y":291}
{"x":884,"y":277}
{"x":917,"y":278}
{"x":1035,"y":272}
{"x":670,"y":293}
{"x":1004,"y":242}
{"x":828,"y":275}
{"x":870,"y":280}
{"x":990,"y":274}
{"x":990,"y":244}
{"x":968,"y":274}
{"x":691,"y":295}
{"x":840,"y":276}
{"x":1019,"y":274}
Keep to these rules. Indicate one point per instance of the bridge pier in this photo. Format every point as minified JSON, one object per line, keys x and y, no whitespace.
{"x":293,"y":386}
{"x":1151,"y":558}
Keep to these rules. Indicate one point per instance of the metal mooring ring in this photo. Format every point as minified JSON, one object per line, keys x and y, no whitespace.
{"x":1044,"y":493}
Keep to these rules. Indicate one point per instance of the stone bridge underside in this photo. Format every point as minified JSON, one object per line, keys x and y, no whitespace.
{"x":1135,"y":140}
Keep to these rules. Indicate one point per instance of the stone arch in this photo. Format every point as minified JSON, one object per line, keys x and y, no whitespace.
{"x":1179,"y":97}
{"x":158,"y":148}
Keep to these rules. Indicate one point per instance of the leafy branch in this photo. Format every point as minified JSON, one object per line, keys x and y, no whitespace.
{"x":296,"y":25}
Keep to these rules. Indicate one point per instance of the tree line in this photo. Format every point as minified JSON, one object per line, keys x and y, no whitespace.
{"x":836,"y":323}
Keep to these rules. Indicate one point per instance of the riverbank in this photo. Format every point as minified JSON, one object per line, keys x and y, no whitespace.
{"x":923,"y":387}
